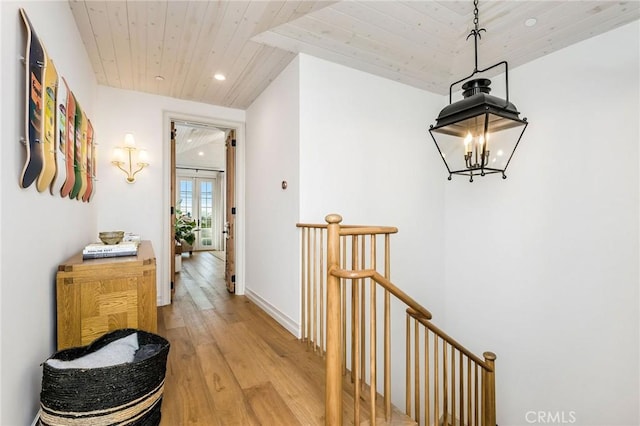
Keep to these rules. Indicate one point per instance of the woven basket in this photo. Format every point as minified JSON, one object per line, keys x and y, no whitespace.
{"x":129,"y":393}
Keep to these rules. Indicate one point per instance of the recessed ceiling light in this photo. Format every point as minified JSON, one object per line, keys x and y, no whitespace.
{"x":200,"y":153}
{"x":189,"y":140}
{"x":159,"y":78}
{"x":530,"y":22}
{"x":219,"y":77}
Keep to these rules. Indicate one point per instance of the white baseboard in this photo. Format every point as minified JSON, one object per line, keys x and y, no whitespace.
{"x":292,"y":326}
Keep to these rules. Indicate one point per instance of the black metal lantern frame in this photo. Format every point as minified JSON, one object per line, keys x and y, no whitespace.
{"x":479,"y":134}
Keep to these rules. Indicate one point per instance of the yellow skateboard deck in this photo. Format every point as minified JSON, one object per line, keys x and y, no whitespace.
{"x":49,"y":150}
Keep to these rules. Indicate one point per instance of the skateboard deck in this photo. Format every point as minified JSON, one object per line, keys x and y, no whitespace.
{"x":49,"y":155}
{"x":70,"y":176}
{"x":83,"y":156}
{"x":77,"y":153}
{"x":34,"y":71}
{"x":90,"y":153}
{"x":94,"y":161}
{"x":60,"y":137}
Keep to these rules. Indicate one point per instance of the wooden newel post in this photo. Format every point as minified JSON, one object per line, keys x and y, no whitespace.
{"x":333,"y":393}
{"x":489,"y":391}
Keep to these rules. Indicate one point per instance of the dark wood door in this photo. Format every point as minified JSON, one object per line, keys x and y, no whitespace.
{"x":230,"y":172}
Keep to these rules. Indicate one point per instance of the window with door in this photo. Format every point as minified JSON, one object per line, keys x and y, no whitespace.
{"x":200,"y":198}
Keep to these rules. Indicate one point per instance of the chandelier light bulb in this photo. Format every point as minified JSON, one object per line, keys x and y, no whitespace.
{"x":467,"y":142}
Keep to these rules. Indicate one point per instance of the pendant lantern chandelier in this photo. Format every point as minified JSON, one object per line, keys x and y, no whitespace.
{"x":478,"y":134}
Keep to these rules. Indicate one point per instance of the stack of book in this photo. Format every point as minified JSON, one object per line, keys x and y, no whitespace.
{"x":98,"y":250}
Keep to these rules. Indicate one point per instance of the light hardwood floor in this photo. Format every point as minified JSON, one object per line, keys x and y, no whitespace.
{"x":229,"y":362}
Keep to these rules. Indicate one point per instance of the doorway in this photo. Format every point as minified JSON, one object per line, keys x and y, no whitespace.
{"x":202,"y":190}
{"x":200,"y":197}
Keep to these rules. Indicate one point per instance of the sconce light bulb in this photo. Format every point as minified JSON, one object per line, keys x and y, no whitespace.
{"x":143,"y":156}
{"x":118,"y":155}
{"x":129,"y":141}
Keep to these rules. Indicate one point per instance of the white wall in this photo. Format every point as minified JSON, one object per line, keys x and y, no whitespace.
{"x":143,"y":207}
{"x":273,"y":138}
{"x":545,"y":271}
{"x":365,"y":153}
{"x":39,"y":231}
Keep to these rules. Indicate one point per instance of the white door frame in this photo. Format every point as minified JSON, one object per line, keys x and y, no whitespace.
{"x":164,"y":290}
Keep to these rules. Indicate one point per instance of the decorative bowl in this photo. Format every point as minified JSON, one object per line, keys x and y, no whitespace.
{"x":111,"y":237}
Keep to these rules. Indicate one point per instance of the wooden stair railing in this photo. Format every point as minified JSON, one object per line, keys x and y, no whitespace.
{"x":446,"y":384}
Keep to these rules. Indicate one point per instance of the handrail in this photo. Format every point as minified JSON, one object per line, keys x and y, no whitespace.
{"x":368,"y":230}
{"x":445,"y":382}
{"x":388,"y":285}
{"x":417,"y":315}
{"x":354,"y":229}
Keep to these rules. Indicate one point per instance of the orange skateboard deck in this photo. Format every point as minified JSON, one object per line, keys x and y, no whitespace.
{"x":90,"y":154}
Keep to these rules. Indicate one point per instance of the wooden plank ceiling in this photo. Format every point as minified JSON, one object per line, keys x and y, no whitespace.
{"x":173,"y":48}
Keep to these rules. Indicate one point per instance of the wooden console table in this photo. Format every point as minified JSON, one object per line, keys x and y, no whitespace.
{"x":95,"y":296}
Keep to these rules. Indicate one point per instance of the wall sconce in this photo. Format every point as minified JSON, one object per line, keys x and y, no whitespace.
{"x":478,"y":135}
{"x":124,"y":156}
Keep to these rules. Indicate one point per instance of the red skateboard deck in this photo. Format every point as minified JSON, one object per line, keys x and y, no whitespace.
{"x":34,"y":73}
{"x":70,"y":144}
{"x":77,"y":152}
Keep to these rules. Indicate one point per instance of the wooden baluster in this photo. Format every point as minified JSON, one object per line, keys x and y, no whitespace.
{"x":416,"y":373}
{"x":387,"y":331}
{"x":356,"y":358}
{"x":354,"y":299}
{"x":436,"y":379}
{"x":373,"y":383}
{"x":308,"y":331}
{"x":461,"y":383}
{"x":314,"y":277}
{"x":445,"y":383}
{"x":427,"y":394}
{"x":343,"y":303}
{"x":489,"y":391}
{"x":468,"y":391}
{"x":363,"y":323}
{"x":303,"y":283}
{"x":407,"y":393}
{"x":453,"y":385}
{"x":333,"y":390}
{"x":475,"y":395}
{"x":321,"y":316}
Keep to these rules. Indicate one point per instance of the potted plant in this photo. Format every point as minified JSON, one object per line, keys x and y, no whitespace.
{"x":184,"y":229}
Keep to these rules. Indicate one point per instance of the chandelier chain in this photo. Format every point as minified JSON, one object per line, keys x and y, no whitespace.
{"x":476,"y":33}
{"x":475,"y":14}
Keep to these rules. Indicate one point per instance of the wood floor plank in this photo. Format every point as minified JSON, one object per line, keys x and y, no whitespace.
{"x":269,"y":406}
{"x":186,"y":398}
{"x":228,"y":398}
{"x":198,"y":296}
